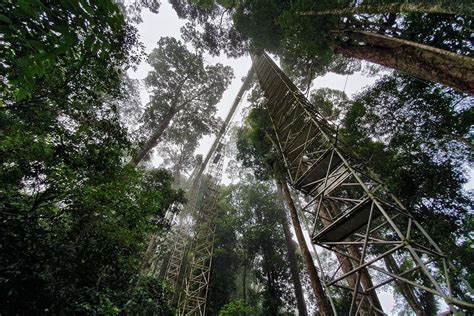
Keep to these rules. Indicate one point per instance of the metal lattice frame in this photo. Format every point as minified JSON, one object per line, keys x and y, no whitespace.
{"x":193,"y":298}
{"x":176,"y":267}
{"x":351,"y":212}
{"x":175,"y":263}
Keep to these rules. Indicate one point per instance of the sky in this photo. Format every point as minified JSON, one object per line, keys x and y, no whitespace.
{"x":167,"y":23}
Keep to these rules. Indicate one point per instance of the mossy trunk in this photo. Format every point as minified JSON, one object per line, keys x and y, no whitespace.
{"x":321,"y":298}
{"x":418,"y":60}
{"x":294,"y":270}
{"x":152,"y":140}
{"x":433,"y":7}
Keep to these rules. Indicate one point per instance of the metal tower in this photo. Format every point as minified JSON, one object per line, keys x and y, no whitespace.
{"x":193,"y":298}
{"x":351,"y":212}
{"x":191,"y":280}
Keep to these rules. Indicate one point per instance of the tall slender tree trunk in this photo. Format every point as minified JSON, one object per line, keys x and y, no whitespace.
{"x":321,"y":298}
{"x":295,"y":275}
{"x":244,"y":280}
{"x":443,"y":7}
{"x":152,"y":140}
{"x":419,"y":60}
{"x":405,"y":290}
{"x":347,"y":266}
{"x":148,"y":255}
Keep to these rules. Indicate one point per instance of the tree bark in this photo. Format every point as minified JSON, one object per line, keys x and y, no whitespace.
{"x":418,"y":60}
{"x":152,"y":140}
{"x":403,"y":6}
{"x":295,"y":276}
{"x":405,"y":289}
{"x":148,"y":255}
{"x":347,"y":266}
{"x":244,"y":280}
{"x":321,"y":298}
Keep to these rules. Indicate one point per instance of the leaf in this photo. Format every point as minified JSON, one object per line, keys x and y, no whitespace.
{"x":5,"y":19}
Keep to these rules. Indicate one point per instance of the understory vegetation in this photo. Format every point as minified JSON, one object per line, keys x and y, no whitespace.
{"x":95,"y":183}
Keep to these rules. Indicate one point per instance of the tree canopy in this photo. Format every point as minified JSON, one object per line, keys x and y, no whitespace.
{"x":184,"y":93}
{"x":318,"y":41}
{"x":84,"y":230}
{"x":75,"y":218}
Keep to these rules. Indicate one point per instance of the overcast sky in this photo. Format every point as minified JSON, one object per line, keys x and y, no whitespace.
{"x":166,"y":23}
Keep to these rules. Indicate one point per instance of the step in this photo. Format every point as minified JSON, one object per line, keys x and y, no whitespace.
{"x":346,"y":224}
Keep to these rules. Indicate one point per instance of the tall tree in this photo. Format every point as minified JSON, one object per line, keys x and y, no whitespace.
{"x":319,"y":292}
{"x":384,"y":39}
{"x":348,"y":8}
{"x":256,"y":151}
{"x":294,"y":266}
{"x":184,"y":93}
{"x":74,"y":219}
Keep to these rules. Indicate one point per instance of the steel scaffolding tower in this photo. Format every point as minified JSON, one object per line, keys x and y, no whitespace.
{"x":193,"y":298}
{"x":190,"y":261}
{"x":191,"y":281}
{"x":175,"y":263}
{"x":351,"y":212}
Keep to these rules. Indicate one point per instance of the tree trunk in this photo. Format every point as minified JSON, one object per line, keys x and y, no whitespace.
{"x":321,"y":298}
{"x":366,"y":280}
{"x":347,"y":266}
{"x":148,"y":255}
{"x":418,"y":60}
{"x":405,"y":289}
{"x":428,"y":7}
{"x":295,"y":276}
{"x":152,"y":140}
{"x":244,"y":281}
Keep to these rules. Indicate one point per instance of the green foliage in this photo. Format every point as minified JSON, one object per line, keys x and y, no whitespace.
{"x":218,"y":34}
{"x":185,"y":91}
{"x":133,"y":9}
{"x":73,"y":250}
{"x":149,"y":297}
{"x":257,"y":223}
{"x":255,"y":148}
{"x":250,"y":271}
{"x":180,"y":80}
{"x":44,"y":42}
{"x":226,"y":261}
{"x":74,"y":219}
{"x":417,"y":137}
{"x":237,"y":307}
{"x":330,"y":102}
